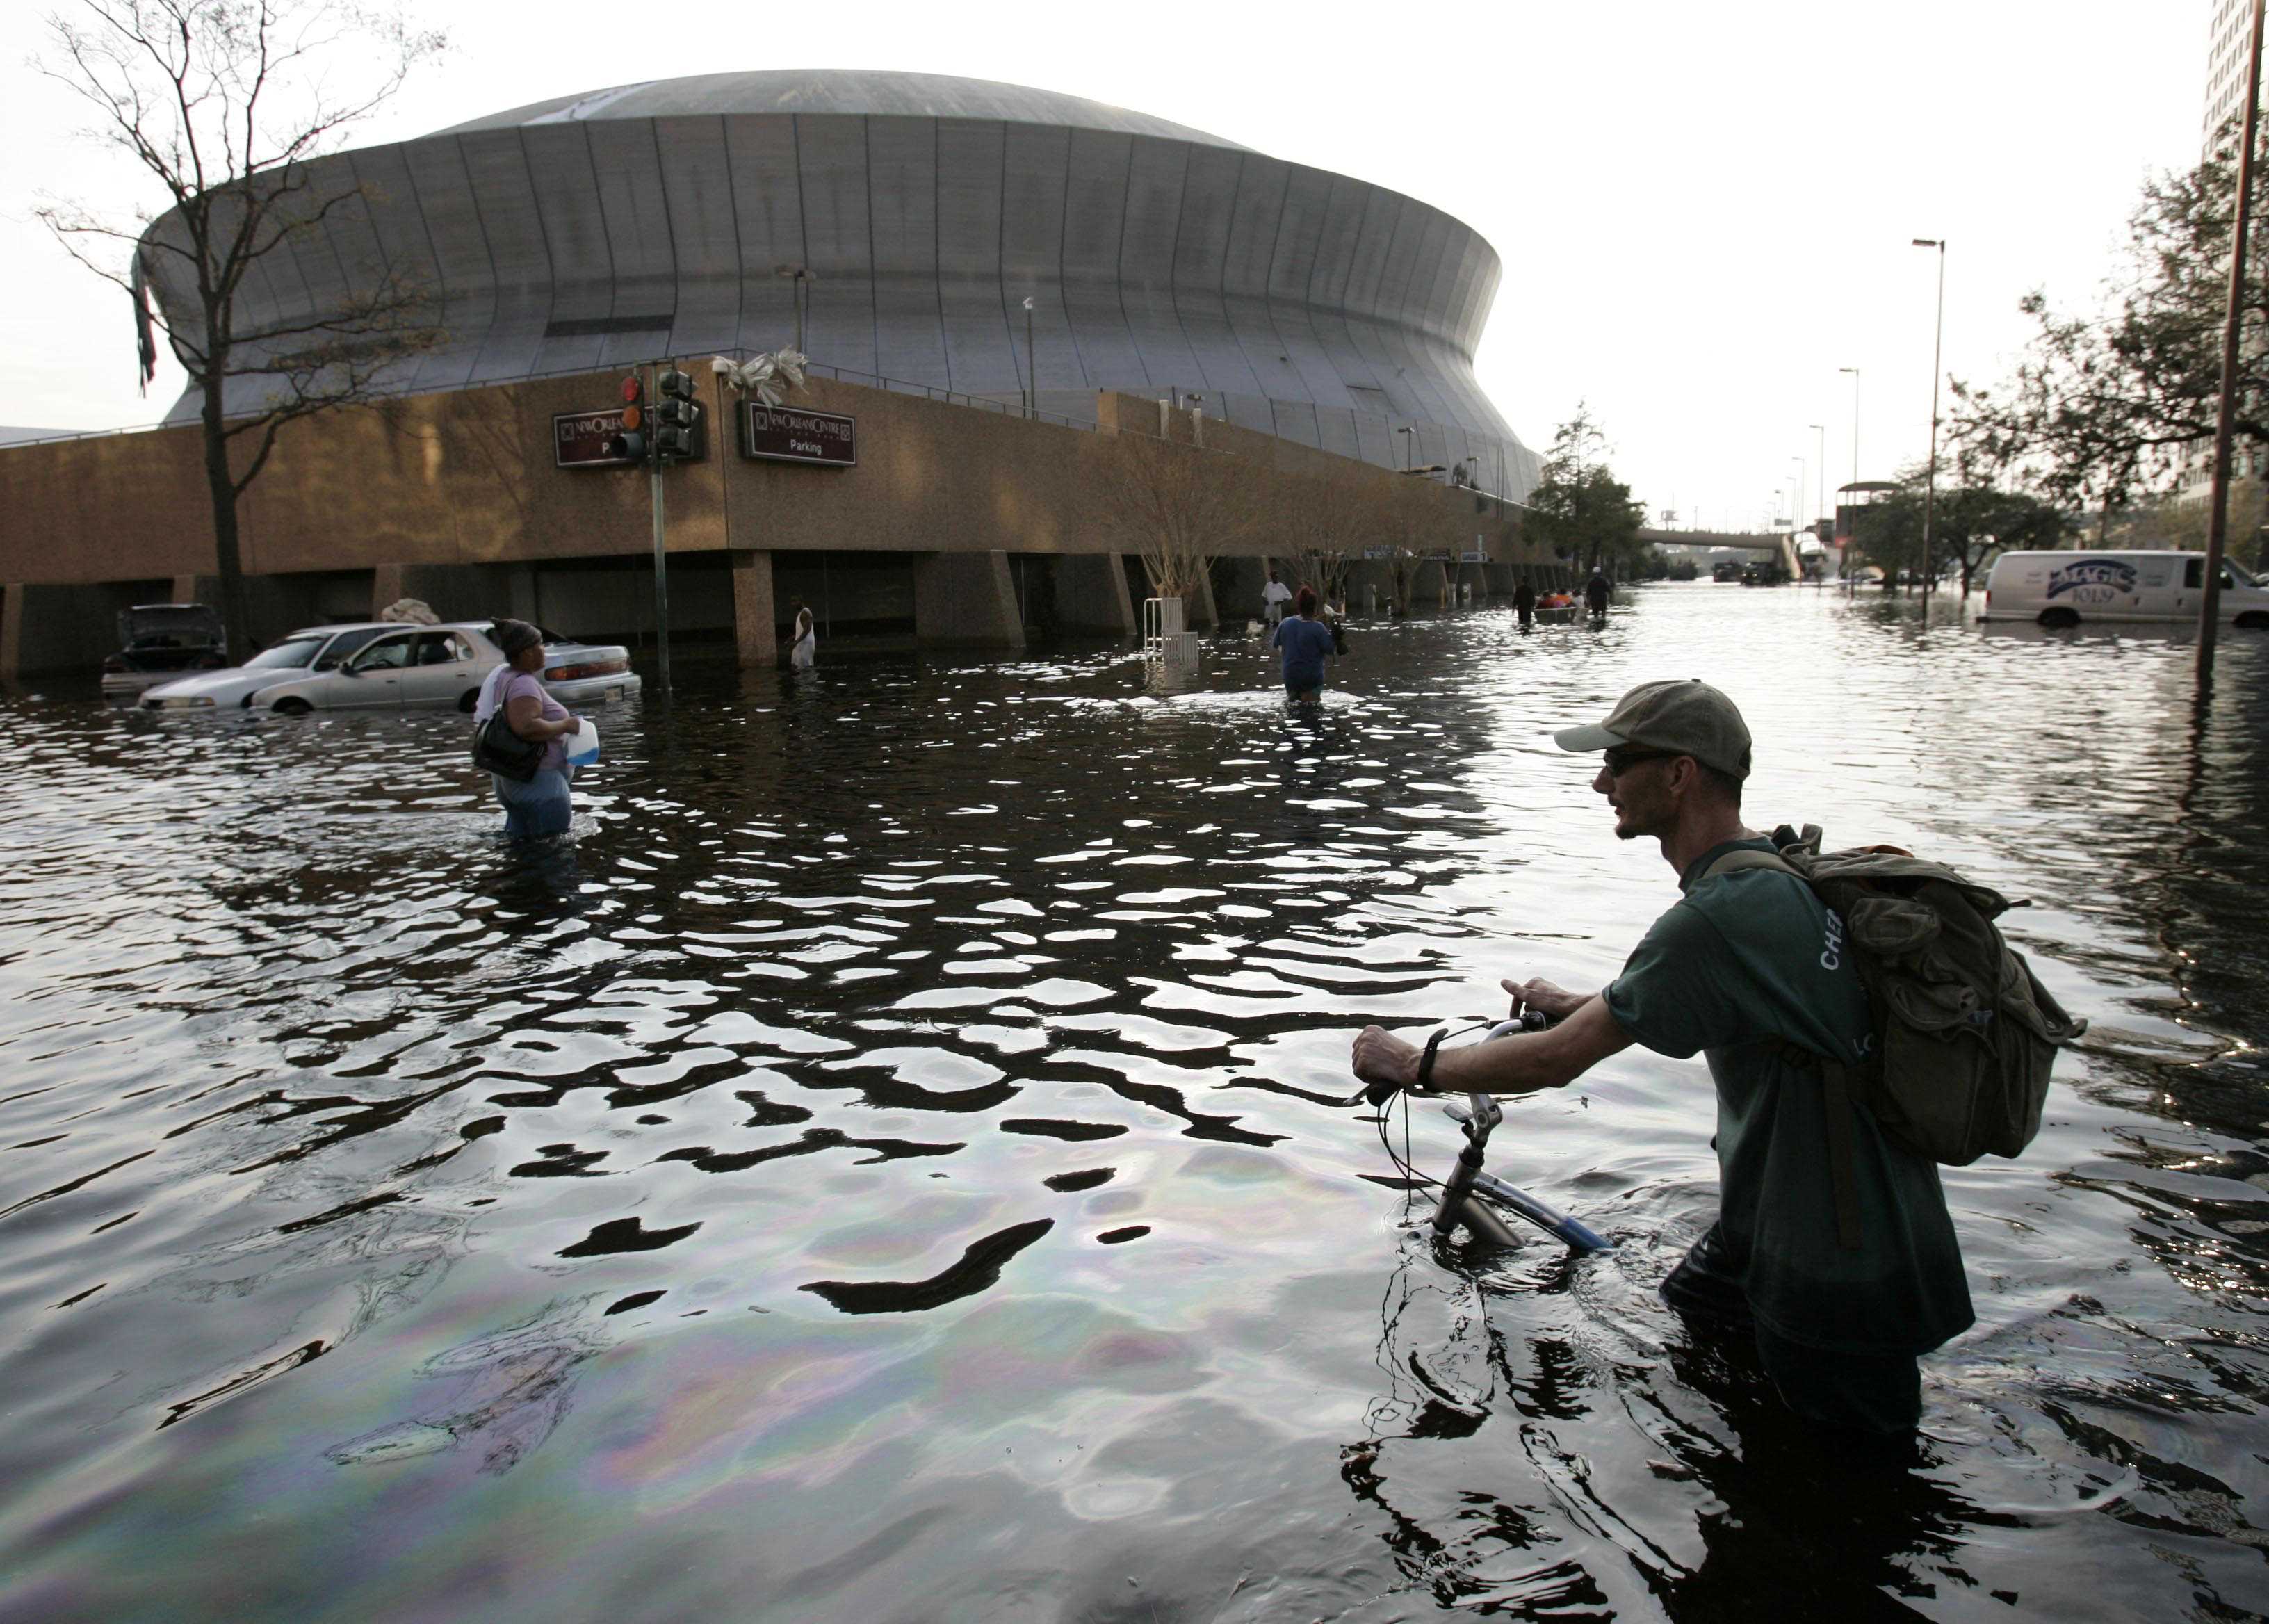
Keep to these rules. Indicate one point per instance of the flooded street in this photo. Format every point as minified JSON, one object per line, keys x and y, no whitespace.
{"x":883,"y":1164}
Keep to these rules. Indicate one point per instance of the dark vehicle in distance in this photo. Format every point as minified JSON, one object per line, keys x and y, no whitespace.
{"x":159,"y":642}
{"x":1725,"y":570}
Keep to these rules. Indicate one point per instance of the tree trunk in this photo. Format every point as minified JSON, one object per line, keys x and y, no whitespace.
{"x":2104,"y":523}
{"x":236,"y":620}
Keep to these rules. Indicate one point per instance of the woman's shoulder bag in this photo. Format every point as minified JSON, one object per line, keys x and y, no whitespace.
{"x":497,"y":749}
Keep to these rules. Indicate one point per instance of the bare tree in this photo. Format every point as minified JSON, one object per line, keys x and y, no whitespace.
{"x":1412,"y":520}
{"x":233,"y":105}
{"x":1177,"y":506}
{"x":1318,"y":521}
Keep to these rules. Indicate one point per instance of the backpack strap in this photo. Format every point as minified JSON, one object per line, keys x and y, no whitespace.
{"x":1733,"y":862}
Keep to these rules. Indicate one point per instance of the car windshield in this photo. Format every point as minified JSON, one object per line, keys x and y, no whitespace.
{"x":288,"y":654}
{"x":2245,"y":577}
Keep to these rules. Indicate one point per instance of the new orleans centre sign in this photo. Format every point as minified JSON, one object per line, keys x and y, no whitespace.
{"x":786,"y":434}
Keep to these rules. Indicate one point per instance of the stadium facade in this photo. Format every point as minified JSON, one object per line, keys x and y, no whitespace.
{"x":656,"y":220}
{"x":993,"y":284}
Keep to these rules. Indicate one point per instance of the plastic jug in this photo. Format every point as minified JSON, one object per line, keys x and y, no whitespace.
{"x":583,"y":743}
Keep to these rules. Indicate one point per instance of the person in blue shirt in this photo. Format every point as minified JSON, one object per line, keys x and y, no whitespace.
{"x":1305,"y":640}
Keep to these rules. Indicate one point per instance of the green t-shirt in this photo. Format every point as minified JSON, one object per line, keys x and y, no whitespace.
{"x":1746,"y":962}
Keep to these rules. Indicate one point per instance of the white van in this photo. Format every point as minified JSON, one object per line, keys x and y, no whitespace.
{"x":2065,"y":589}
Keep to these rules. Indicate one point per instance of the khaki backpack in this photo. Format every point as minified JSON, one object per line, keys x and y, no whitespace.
{"x":1962,"y":1033}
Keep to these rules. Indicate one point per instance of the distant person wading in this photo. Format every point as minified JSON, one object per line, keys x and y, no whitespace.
{"x":1305,"y":641}
{"x":545,"y":804}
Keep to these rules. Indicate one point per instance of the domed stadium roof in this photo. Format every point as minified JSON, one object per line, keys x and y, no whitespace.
{"x":841,"y":90}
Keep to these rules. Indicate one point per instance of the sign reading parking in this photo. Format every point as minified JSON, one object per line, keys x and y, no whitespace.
{"x":578,"y":439}
{"x":784,"y":434}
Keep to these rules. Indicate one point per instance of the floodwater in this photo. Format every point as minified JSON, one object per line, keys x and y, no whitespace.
{"x":883,"y":1164}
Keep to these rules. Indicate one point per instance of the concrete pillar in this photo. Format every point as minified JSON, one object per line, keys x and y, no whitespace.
{"x":11,"y":630}
{"x":1241,"y":581}
{"x":755,"y":641}
{"x":1475,"y":577}
{"x":1369,"y":586}
{"x":966,"y":600}
{"x":1091,"y":594}
{"x":1201,"y":609}
{"x":388,"y":584}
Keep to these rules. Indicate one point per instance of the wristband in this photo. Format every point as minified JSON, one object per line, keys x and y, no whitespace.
{"x":1426,"y":1061}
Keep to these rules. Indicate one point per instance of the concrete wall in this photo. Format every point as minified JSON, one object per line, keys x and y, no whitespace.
{"x":454,"y":498}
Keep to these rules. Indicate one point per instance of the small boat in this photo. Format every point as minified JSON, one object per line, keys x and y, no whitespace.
{"x":1556,"y":608}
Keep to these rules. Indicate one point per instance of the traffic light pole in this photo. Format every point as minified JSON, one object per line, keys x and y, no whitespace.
{"x":661,"y":555}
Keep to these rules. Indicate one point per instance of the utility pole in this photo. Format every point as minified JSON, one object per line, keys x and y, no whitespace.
{"x":1930,"y":491}
{"x":2217,"y":534}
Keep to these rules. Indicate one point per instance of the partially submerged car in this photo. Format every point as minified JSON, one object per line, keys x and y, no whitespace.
{"x":384,"y":665}
{"x":288,"y":659}
{"x":442,"y":668}
{"x":159,"y":642}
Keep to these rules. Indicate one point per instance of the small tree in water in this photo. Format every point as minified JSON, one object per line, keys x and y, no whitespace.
{"x":1975,"y":520}
{"x":1580,"y":509}
{"x":229,"y":104}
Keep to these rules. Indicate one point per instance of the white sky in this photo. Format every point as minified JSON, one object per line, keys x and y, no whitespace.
{"x":1704,"y":212}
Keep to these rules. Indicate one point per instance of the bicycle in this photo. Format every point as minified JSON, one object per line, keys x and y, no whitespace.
{"x":1469,"y":1191}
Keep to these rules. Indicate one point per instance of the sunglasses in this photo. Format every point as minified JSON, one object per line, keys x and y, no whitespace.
{"x":1623,"y":758}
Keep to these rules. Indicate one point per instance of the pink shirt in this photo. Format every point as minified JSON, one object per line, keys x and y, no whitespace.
{"x":521,"y":685}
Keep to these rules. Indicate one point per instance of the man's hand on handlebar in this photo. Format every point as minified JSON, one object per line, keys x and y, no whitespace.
{"x":1382,"y":1058}
{"x":1553,"y":1003}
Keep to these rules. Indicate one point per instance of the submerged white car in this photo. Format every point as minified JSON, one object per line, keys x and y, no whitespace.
{"x":443,"y":667}
{"x":291,"y":657}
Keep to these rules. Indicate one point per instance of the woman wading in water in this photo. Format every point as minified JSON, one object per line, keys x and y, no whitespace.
{"x":544,"y":804}
{"x":1305,"y":640}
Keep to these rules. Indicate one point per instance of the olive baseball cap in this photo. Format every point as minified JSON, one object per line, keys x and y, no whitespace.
{"x":1686,"y":717}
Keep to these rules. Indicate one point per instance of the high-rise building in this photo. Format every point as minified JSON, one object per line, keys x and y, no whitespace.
{"x":2231,"y":27}
{"x":2230,"y":32}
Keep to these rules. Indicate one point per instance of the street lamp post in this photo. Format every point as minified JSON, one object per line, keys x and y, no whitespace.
{"x":1930,"y":491}
{"x":1400,"y":466}
{"x":802,"y":278}
{"x":1854,"y":372}
{"x":1849,"y":585}
{"x":1031,"y":372}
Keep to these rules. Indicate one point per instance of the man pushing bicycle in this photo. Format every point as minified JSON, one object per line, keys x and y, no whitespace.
{"x":1833,"y":1249}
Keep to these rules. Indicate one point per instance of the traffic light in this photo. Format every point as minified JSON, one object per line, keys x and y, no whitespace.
{"x":630,"y":441}
{"x":675,"y":416}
